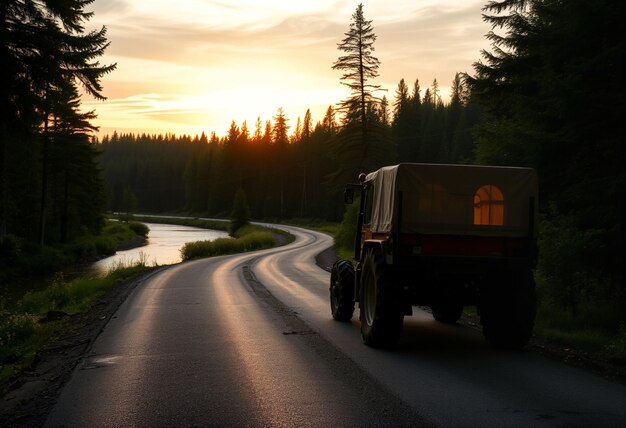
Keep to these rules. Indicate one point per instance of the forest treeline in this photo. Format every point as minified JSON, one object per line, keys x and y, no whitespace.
{"x":286,"y":170}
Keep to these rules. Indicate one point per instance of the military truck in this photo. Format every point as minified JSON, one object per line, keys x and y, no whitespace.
{"x":444,"y":237}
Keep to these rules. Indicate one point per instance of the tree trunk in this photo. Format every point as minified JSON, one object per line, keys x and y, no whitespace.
{"x":44,"y":185}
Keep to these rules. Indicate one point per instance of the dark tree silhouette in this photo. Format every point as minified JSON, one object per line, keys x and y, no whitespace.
{"x":553,"y":93}
{"x":359,"y":66}
{"x":44,"y":52}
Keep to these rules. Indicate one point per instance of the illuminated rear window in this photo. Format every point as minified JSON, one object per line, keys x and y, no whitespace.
{"x":489,"y":206}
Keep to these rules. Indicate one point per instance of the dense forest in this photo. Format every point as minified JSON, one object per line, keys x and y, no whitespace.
{"x":553,"y":97}
{"x":50,"y":187}
{"x":286,"y":171}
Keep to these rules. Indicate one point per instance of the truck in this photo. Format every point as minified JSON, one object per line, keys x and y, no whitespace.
{"x":444,"y":237}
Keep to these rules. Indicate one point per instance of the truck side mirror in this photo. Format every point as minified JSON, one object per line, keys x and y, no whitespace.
{"x":348,"y":196}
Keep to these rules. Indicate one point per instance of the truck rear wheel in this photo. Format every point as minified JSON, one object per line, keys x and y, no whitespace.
{"x":342,"y":290}
{"x":380,"y":304}
{"x":508,"y":318}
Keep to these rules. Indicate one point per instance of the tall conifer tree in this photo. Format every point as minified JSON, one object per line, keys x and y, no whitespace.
{"x":359,"y":66}
{"x":44,"y":50}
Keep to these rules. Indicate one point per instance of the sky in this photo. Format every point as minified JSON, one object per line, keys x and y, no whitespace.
{"x":192,"y":66}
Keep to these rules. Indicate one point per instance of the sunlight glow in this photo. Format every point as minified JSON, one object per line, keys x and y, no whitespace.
{"x":198,"y":66}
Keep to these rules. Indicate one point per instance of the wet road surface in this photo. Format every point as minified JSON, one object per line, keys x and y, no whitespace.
{"x":248,"y":340}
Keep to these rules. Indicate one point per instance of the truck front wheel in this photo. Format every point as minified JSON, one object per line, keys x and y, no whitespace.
{"x":381,"y":311}
{"x":342,"y":290}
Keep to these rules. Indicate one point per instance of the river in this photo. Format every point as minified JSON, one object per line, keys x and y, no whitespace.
{"x":163,"y":247}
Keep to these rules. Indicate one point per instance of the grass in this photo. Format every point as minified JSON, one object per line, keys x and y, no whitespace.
{"x":591,"y":329}
{"x":30,"y":291}
{"x":20,"y":258}
{"x":250,"y":238}
{"x":22,"y":334}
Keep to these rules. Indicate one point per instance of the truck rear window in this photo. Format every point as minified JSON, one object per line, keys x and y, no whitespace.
{"x":489,"y":206}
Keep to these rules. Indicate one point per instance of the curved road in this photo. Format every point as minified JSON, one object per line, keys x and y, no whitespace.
{"x":247,"y":340}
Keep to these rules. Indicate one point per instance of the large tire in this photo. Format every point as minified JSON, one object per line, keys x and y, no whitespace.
{"x":448,"y":313}
{"x":508,"y":317}
{"x":342,"y":290}
{"x":381,"y":311}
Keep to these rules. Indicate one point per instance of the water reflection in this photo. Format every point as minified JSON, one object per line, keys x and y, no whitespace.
{"x":163,"y":248}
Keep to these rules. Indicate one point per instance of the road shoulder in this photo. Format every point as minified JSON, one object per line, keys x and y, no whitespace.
{"x":31,"y":396}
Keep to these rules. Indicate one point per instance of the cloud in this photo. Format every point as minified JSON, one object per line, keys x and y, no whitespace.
{"x":268,"y":52}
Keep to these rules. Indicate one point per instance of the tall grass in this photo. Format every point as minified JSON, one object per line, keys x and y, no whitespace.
{"x":250,"y":238}
{"x":22,"y":330}
{"x":21,"y":258}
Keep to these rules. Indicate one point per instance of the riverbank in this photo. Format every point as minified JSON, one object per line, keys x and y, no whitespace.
{"x":29,"y":395}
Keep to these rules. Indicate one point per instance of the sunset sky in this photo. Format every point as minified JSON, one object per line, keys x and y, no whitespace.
{"x":195,"y":65}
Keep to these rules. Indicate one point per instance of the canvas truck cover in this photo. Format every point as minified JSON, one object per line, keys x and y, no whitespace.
{"x":453,"y":199}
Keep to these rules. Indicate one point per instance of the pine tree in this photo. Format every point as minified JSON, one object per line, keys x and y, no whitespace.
{"x":280,"y":129}
{"x":267,"y":134}
{"x":329,"y":123}
{"x":244,"y":134}
{"x":297,"y":133}
{"x":233,"y":133}
{"x":553,"y":94}
{"x":360,"y":144}
{"x":359,"y":66}
{"x":402,"y":129}
{"x":44,"y":51}
{"x":306,"y":126}
{"x":258,"y":132}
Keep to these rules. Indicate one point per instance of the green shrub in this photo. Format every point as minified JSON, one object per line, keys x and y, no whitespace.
{"x":105,"y":245}
{"x":83,"y":248}
{"x":45,"y":260}
{"x":240,"y":215}
{"x":346,"y":233}
{"x":140,"y":229}
{"x":251,"y":239}
{"x":55,"y":297}
{"x":114,"y":228}
{"x":15,"y":329}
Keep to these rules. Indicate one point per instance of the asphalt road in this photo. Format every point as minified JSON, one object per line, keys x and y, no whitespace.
{"x":248,"y":340}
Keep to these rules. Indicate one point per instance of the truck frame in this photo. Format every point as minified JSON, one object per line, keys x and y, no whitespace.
{"x":445,"y":237}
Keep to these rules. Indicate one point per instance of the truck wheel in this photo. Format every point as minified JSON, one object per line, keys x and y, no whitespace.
{"x":447,"y":313}
{"x":381,"y":309}
{"x":508,"y":319}
{"x":342,"y":290}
